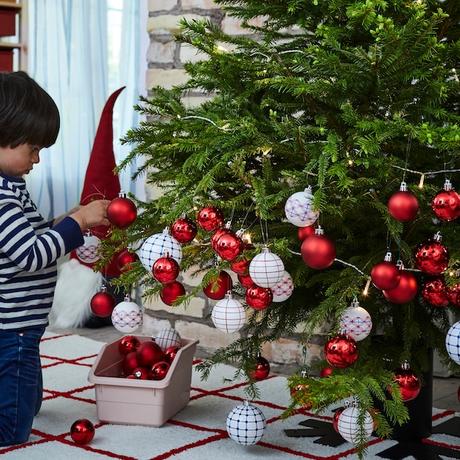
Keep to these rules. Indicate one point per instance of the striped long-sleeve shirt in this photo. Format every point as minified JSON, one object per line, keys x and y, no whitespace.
{"x":29,"y":248}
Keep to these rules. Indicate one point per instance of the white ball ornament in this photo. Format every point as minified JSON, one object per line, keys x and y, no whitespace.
{"x":356,"y":322}
{"x":88,"y":252}
{"x":246,"y":424}
{"x":266,"y":269}
{"x":127,"y":316}
{"x":299,"y":209}
{"x":228,"y":314}
{"x":283,"y":289}
{"x":159,"y":245}
{"x":453,"y":342}
{"x":168,"y":338}
{"x":348,"y":426}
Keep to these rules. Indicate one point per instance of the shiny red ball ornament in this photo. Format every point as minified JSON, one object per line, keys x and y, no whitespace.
{"x":229,"y":246}
{"x":141,"y":373}
{"x":130,"y":362}
{"x":170,"y":353}
{"x":171,"y":292}
{"x":405,"y":291}
{"x":341,"y":351}
{"x":149,"y":353}
{"x":302,"y":391}
{"x":385,"y":275}
{"x":217,"y":288}
{"x":432,"y":257}
{"x":210,"y":218}
{"x":121,"y":212}
{"x":318,"y":251}
{"x":240,"y":266}
{"x":159,"y":370}
{"x":446,"y":204}
{"x":305,"y":232}
{"x":125,"y":260}
{"x":246,"y":280}
{"x":128,"y":344}
{"x":102,"y":303}
{"x":326,"y":372}
{"x":453,"y":294}
{"x":165,"y":270}
{"x":258,"y":297}
{"x":335,"y":418}
{"x":82,"y":431}
{"x":435,"y":292}
{"x":403,"y":205}
{"x":261,"y":370}
{"x":217,"y":234}
{"x":183,"y":230}
{"x":409,"y":384}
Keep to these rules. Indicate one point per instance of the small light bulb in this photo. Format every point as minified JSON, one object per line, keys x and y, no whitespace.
{"x":247,"y":238}
{"x":422,"y":180}
{"x":366,"y":288}
{"x":350,"y":162}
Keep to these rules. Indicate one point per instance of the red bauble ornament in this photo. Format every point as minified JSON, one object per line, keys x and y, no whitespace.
{"x":210,"y":218}
{"x":217,"y":234}
{"x":165,"y":270}
{"x":130,"y":362}
{"x":141,"y":373}
{"x":262,"y":369}
{"x":102,"y":303}
{"x":258,"y":297}
{"x":435,"y":292}
{"x":82,"y":431}
{"x":446,"y":204}
{"x":218,"y":287}
{"x":149,"y":353}
{"x":318,"y":251}
{"x":453,"y":294}
{"x":405,"y":291}
{"x":245,"y":281}
{"x":341,"y":351}
{"x":335,"y":418}
{"x":128,"y":344}
{"x":326,"y":372}
{"x":183,"y":230}
{"x":171,"y":292}
{"x":301,"y":398}
{"x":125,"y":259}
{"x":229,"y":246}
{"x":240,"y":266}
{"x":122,"y":212}
{"x":159,"y":370}
{"x":305,"y":232}
{"x":403,"y":205}
{"x":385,"y":275}
{"x":170,"y":354}
{"x":432,"y":257}
{"x":409,"y":384}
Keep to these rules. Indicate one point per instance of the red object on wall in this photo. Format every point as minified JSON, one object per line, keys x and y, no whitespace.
{"x":6,"y":60}
{"x":7,"y":22}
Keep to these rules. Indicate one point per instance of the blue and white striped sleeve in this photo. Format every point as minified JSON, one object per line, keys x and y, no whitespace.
{"x":26,"y":249}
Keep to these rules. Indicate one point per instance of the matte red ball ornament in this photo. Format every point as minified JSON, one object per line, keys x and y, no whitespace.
{"x":453,"y":294}
{"x":435,"y":292}
{"x":121,"y":212}
{"x":165,"y":270}
{"x":405,"y":291}
{"x":171,"y":292}
{"x":149,"y":353}
{"x":246,"y":280}
{"x":341,"y":351}
{"x":409,"y":384}
{"x":170,"y":353}
{"x":125,"y":260}
{"x":218,"y":287}
{"x":210,"y":218}
{"x":229,"y":246}
{"x":159,"y":370}
{"x":385,"y":275}
{"x":326,"y":372}
{"x":240,"y":266}
{"x":82,"y":431}
{"x":183,"y":230}
{"x":102,"y":303}
{"x":128,"y":344}
{"x":305,"y":232}
{"x":258,"y":297}
{"x":432,"y":257}
{"x":130,"y":362}
{"x":141,"y":373}
{"x":318,"y":251}
{"x":335,"y":418}
{"x":446,"y":204}
{"x":403,"y":205}
{"x":262,"y":369}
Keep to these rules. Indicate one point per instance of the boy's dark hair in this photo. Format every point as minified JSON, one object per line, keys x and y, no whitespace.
{"x":28,"y":114}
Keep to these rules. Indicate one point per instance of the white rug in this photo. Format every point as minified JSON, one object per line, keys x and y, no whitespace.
{"x":197,"y":432}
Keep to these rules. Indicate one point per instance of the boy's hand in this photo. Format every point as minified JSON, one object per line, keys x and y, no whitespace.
{"x":92,"y":214}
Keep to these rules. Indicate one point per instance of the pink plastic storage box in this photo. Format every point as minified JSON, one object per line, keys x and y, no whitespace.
{"x":141,"y":402}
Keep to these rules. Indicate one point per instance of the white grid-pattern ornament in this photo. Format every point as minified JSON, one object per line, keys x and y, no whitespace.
{"x":157,"y":246}
{"x":283,"y":289}
{"x":246,"y":424}
{"x":127,"y":316}
{"x":348,"y":424}
{"x":266,"y":269}
{"x":168,"y":338}
{"x":299,"y":209}
{"x":453,"y":342}
{"x":228,"y":315}
{"x":356,"y":322}
{"x":88,"y":252}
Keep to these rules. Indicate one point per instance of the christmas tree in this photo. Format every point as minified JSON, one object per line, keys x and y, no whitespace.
{"x":350,"y":98}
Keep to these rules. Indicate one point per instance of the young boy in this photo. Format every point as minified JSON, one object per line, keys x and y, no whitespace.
{"x":29,"y":248}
